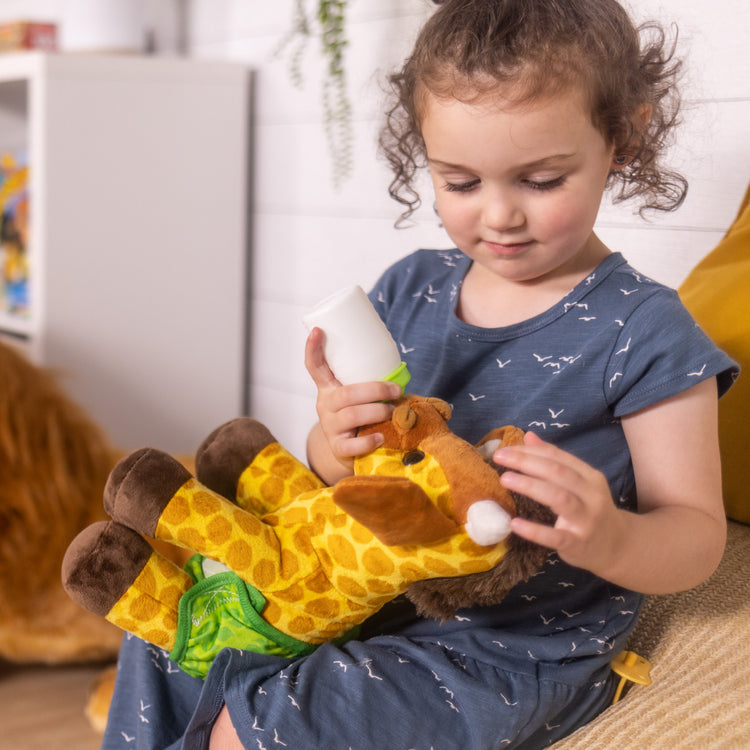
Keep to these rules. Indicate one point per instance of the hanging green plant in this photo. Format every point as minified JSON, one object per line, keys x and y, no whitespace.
{"x":328,"y":22}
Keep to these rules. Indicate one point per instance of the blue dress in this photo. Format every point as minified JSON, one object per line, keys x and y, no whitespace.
{"x":519,"y":674}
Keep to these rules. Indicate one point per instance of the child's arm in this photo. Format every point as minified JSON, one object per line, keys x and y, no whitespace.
{"x":333,"y":442}
{"x":676,"y":539}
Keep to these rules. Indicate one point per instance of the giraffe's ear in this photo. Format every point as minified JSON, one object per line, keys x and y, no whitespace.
{"x":395,"y":509}
{"x":499,"y":438}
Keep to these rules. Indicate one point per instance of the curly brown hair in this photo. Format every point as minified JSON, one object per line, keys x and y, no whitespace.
{"x":544,"y":47}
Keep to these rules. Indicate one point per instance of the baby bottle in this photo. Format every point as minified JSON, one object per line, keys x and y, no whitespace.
{"x":357,"y":345}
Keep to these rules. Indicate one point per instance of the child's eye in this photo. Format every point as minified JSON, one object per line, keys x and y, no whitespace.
{"x":461,"y":187}
{"x":545,"y":184}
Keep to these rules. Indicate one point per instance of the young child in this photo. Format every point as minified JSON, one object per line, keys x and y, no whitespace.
{"x":524,"y":112}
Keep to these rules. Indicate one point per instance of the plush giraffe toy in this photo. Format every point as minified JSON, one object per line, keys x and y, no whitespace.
{"x":286,"y":563}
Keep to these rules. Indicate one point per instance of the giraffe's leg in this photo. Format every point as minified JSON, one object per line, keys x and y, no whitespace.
{"x":242,"y":461}
{"x":228,"y":451}
{"x":113,"y":572}
{"x":152,"y":493}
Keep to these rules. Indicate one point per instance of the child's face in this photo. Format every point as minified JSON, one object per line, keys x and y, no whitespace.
{"x":518,"y":188}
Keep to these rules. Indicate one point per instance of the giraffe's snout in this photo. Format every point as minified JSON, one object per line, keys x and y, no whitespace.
{"x":487,"y":523}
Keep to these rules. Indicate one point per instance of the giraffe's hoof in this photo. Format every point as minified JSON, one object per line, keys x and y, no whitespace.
{"x":228,"y":451}
{"x":140,"y":486}
{"x":101,"y":563}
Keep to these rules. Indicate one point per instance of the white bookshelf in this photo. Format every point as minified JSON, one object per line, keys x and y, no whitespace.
{"x":138,"y":249}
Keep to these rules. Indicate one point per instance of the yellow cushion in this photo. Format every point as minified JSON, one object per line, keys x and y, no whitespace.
{"x":717,"y":293}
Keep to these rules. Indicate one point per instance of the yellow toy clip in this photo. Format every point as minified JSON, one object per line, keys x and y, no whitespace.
{"x":631,"y":668}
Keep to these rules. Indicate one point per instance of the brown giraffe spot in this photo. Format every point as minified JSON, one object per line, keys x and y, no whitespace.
{"x":245,"y":522}
{"x":272,"y":613}
{"x":343,"y":551}
{"x":440,"y":567}
{"x":377,"y":563}
{"x":170,"y":595}
{"x":264,"y":574}
{"x":410,"y":571}
{"x":323,"y":607}
{"x":177,"y":510}
{"x":169,"y":619}
{"x":319,"y":583}
{"x":325,"y":559}
{"x":294,"y":593}
{"x":339,"y":520}
{"x":189,"y":537}
{"x":219,"y":530}
{"x":165,"y":567}
{"x":146,"y":581}
{"x":271,"y":489}
{"x":442,"y":548}
{"x":301,"y":625}
{"x":304,"y":483}
{"x":470,"y":548}
{"x":205,"y":504}
{"x":289,"y":564}
{"x":403,"y":550}
{"x":143,"y":608}
{"x":239,"y":555}
{"x":301,"y":542}
{"x":271,"y":450}
{"x":284,"y":466}
{"x":320,"y":507}
{"x":391,"y":467}
{"x":361,"y":534}
{"x":160,"y":638}
{"x":126,"y":623}
{"x":350,"y":587}
{"x":380,"y":586}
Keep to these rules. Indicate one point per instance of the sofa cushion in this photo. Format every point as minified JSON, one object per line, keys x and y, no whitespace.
{"x":717,"y":293}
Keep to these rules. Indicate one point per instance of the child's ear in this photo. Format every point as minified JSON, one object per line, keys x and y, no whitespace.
{"x":642,"y":117}
{"x":639,"y":120}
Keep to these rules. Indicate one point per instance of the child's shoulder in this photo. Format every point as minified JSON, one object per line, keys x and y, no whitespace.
{"x":620,"y":286}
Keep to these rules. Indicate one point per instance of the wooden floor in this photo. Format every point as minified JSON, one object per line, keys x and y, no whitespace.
{"x":42,"y":708}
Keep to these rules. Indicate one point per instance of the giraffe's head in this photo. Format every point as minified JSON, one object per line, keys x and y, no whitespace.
{"x":425,"y":482}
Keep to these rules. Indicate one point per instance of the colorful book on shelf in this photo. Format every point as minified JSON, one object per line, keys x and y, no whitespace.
{"x":23,"y":35}
{"x":14,"y":234}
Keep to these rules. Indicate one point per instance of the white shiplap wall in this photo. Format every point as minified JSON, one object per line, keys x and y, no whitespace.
{"x":310,"y":239}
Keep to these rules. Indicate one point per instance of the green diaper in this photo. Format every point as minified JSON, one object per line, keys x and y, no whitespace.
{"x":222,"y":611}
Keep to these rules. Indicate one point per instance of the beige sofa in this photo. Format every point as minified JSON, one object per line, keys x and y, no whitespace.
{"x":698,"y":642}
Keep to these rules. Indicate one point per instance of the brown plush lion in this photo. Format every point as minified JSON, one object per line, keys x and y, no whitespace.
{"x":54,"y":463}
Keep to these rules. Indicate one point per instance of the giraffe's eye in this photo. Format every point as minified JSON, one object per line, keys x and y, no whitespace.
{"x":412,"y":457}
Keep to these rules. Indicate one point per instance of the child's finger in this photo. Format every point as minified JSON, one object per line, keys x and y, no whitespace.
{"x":546,"y":536}
{"x":315,"y":360}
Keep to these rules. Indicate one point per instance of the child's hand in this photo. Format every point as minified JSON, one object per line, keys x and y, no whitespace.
{"x":342,"y":409}
{"x":588,"y":529}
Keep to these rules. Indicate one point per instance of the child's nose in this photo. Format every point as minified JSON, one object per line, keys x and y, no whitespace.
{"x":502,"y":212}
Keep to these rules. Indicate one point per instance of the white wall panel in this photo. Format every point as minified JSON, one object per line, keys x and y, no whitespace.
{"x":311,"y":238}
